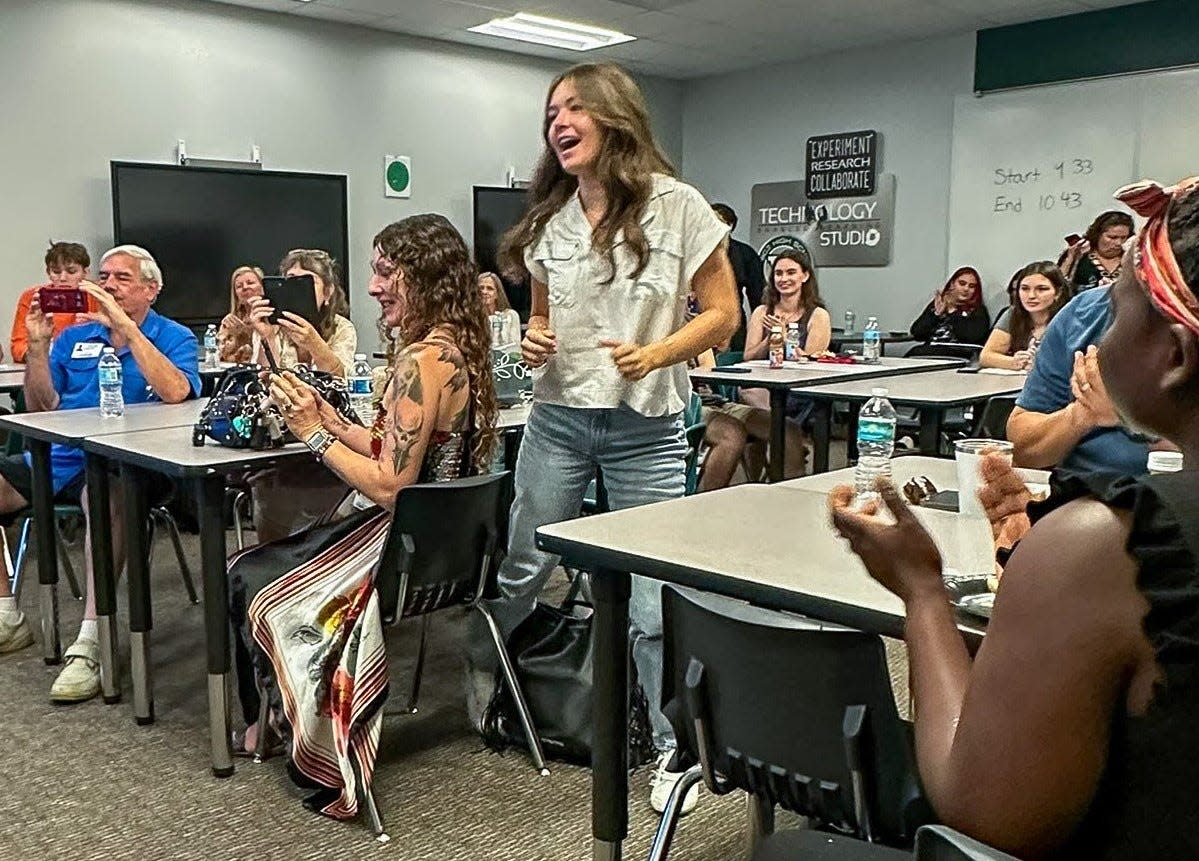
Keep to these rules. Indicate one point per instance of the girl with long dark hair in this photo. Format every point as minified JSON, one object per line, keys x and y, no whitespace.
{"x":1039,"y":291}
{"x":957,"y":313}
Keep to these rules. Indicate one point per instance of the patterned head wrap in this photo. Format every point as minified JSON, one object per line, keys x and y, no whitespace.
{"x":1154,"y":258}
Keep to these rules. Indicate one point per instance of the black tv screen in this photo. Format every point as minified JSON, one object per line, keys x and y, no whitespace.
{"x":201,"y":223}
{"x":496,"y":210}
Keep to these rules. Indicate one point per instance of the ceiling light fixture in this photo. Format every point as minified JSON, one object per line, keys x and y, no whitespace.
{"x":550,"y":31}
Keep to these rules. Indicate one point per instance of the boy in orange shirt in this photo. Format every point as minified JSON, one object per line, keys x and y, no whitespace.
{"x":66,"y":267}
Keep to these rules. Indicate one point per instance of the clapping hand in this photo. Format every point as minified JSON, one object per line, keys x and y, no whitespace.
{"x":1089,"y":391}
{"x":900,"y":555}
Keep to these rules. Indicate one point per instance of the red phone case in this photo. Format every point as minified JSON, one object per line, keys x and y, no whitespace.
{"x":61,"y":300}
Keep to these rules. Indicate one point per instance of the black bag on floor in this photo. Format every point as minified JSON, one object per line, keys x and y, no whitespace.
{"x":553,"y":654}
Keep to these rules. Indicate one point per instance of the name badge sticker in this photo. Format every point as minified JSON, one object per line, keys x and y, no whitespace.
{"x":87,"y":350}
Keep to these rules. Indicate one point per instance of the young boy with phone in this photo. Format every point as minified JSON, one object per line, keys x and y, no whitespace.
{"x":66,"y":268}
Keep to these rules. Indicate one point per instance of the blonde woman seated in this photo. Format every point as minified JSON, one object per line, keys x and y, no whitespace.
{"x":236,"y":335}
{"x":1040,"y":291}
{"x":291,"y":498}
{"x":495,"y":303}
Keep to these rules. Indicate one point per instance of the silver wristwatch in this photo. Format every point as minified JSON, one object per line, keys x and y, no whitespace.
{"x":319,"y":441}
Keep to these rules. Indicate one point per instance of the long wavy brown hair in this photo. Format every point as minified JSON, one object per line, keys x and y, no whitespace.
{"x":323,"y":264}
{"x":809,"y":294}
{"x":628,"y":158}
{"x":1022,"y":322}
{"x":443,"y":290}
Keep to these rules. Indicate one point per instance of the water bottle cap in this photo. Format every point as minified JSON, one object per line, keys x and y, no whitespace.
{"x":778,"y":329}
{"x":108,"y":350}
{"x":878,"y":392}
{"x":872,"y":319}
{"x":1165,"y":461}
{"x":361,"y":356}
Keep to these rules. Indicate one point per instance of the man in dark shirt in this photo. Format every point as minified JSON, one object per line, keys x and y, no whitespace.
{"x":747,"y":269}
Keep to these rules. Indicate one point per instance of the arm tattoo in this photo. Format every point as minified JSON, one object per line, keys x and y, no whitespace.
{"x":404,"y":439}
{"x":453,"y":357}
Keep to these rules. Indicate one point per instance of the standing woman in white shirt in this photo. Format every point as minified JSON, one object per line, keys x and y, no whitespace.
{"x":614,"y":243}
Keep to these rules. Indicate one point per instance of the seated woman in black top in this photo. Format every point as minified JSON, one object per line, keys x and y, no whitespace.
{"x":957,"y":313}
{"x":1071,"y":734}
{"x":1094,"y":261}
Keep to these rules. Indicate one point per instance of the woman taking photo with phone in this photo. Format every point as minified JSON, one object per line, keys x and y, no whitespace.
{"x":236,"y":335}
{"x":328,"y":345}
{"x":613,"y":243}
{"x":1040,"y":292}
{"x":293,"y":497}
{"x":1095,"y":260}
{"x":957,"y":314}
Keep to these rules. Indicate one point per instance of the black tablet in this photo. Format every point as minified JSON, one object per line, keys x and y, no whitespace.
{"x":294,"y":293}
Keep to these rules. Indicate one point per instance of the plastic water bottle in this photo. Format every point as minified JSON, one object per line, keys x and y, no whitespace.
{"x":360,"y":390}
{"x":211,"y":355}
{"x":876,"y":443}
{"x":791,"y":346}
{"x":497,"y":332}
{"x":872,"y":340}
{"x":850,"y":321}
{"x":112,"y":401}
{"x":776,"y":348}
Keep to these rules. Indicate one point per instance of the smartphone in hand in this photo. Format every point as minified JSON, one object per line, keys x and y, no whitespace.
{"x":62,"y":300}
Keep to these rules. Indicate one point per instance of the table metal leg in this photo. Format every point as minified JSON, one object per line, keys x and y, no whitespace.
{"x":210,"y":499}
{"x":932,"y":421}
{"x":47,"y":548}
{"x":822,"y":435}
{"x":610,"y":754}
{"x":104,"y":582}
{"x":136,"y":508}
{"x":775,"y":469}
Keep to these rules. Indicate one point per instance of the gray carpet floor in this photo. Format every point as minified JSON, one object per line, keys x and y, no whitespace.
{"x":84,"y":782}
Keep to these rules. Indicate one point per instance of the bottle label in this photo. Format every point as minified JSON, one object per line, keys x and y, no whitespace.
{"x":360,"y":386}
{"x":776,"y":357}
{"x":875,"y":430}
{"x":872,"y":335}
{"x":110,"y":376}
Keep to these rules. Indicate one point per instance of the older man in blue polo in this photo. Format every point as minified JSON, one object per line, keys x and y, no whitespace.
{"x":158,"y":363}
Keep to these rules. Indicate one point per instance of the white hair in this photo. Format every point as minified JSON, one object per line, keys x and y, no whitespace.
{"x":146,"y":261}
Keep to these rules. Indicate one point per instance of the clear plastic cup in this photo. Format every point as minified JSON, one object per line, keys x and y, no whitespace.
{"x":974,"y":545}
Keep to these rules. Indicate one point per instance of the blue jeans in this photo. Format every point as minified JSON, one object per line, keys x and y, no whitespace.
{"x":643,"y":461}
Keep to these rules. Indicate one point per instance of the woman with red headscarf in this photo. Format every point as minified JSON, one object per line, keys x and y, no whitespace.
{"x":957,"y":313}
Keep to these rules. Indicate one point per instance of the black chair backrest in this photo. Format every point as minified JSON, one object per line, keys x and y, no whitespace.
{"x":783,"y":713}
{"x":439,"y":550}
{"x":938,"y":843}
{"x":992,"y":424}
{"x":947,"y":349}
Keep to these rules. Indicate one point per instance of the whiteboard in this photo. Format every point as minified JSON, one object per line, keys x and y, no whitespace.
{"x":1032,"y":166}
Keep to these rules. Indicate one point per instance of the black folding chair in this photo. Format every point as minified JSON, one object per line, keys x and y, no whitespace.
{"x":992,"y":424}
{"x":798,"y":718}
{"x":438,"y":555}
{"x":938,"y":843}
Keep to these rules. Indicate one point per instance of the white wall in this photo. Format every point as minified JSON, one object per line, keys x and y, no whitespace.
{"x":752,"y":126}
{"x":83,"y":82}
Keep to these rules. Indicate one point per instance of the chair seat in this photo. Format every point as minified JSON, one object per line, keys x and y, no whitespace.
{"x":797,"y":844}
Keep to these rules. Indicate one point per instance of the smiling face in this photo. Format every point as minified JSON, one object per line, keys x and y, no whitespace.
{"x":789,"y":277}
{"x":571,"y":133}
{"x":121,"y":277}
{"x":487,"y":292}
{"x":388,"y":289}
{"x":246,"y":286}
{"x":1036,"y":293}
{"x":1111,"y":241}
{"x":962,"y":289}
{"x":318,"y":284}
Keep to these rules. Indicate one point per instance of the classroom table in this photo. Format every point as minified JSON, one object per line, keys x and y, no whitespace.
{"x":743,"y":542}
{"x":941,"y":471}
{"x":781,"y":381}
{"x":12,"y":378}
{"x":71,"y":427}
{"x":170,"y":452}
{"x":933,"y":394}
{"x":842,"y":340}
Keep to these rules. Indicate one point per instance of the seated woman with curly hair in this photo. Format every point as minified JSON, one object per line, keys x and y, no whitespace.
{"x":436,"y":422}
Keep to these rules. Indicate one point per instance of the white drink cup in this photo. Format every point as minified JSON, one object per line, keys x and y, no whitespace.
{"x":975,"y":546}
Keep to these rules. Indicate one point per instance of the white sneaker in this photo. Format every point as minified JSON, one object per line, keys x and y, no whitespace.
{"x":80,"y":677}
{"x":662,"y":783}
{"x":15,"y":632}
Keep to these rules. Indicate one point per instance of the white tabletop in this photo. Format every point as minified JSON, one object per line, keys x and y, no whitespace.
{"x":769,"y":545}
{"x":170,"y":450}
{"x":72,"y":426}
{"x":11,"y":380}
{"x":794,"y":374}
{"x":511,"y":418}
{"x":942,"y":472}
{"x":936,"y":388}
